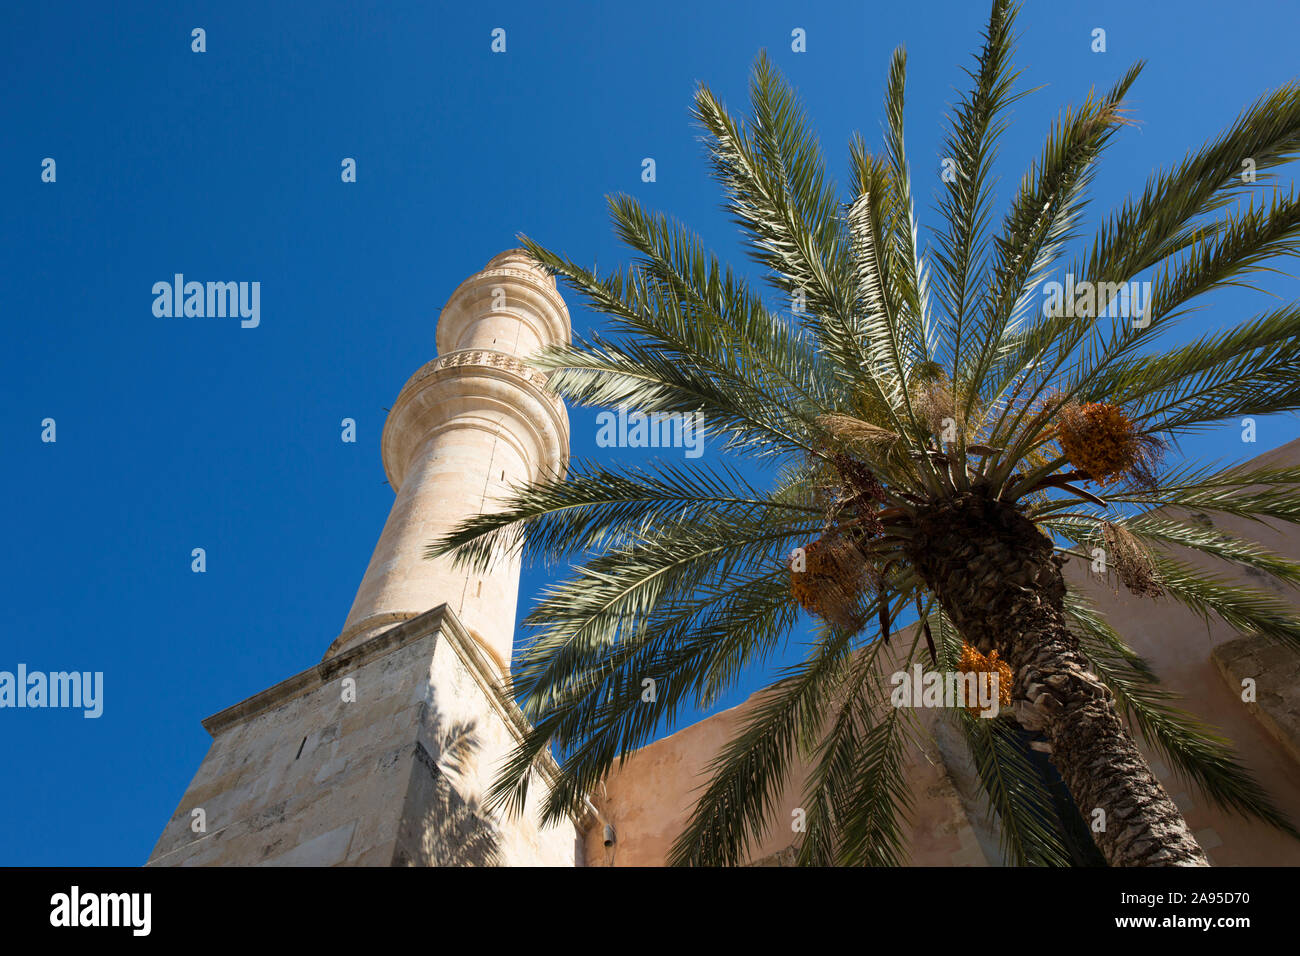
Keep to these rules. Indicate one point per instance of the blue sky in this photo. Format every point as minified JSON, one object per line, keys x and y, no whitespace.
{"x":183,"y":433}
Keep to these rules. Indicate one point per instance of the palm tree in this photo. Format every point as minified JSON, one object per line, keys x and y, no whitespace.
{"x":937,"y":444}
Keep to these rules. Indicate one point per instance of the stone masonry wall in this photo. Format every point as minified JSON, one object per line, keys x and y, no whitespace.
{"x":299,"y":776}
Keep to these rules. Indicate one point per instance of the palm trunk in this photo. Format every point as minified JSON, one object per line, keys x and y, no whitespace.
{"x":999,"y":582}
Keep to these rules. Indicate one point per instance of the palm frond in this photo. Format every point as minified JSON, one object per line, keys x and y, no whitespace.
{"x":1041,"y":221}
{"x":592,"y":506}
{"x":777,"y":190}
{"x":735,"y":810}
{"x":911,"y":273}
{"x":977,"y":125}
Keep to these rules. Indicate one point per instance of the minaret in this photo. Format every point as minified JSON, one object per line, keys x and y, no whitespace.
{"x":466,"y":427}
{"x":380,"y":754}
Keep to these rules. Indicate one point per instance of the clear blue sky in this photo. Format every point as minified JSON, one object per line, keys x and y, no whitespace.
{"x":175,"y":434}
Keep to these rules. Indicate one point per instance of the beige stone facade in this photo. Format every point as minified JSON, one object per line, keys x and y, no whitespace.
{"x":317,"y":771}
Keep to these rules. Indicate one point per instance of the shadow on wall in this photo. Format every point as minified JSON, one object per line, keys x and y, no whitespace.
{"x":440,"y":826}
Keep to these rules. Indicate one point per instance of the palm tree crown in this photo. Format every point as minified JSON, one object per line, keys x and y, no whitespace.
{"x":940,"y":443}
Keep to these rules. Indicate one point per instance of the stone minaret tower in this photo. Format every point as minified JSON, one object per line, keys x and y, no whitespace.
{"x":465,"y":427}
{"x":379,"y":755}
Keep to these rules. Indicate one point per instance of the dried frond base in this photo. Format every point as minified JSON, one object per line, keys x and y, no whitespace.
{"x":1131,"y":561}
{"x":853,"y":431}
